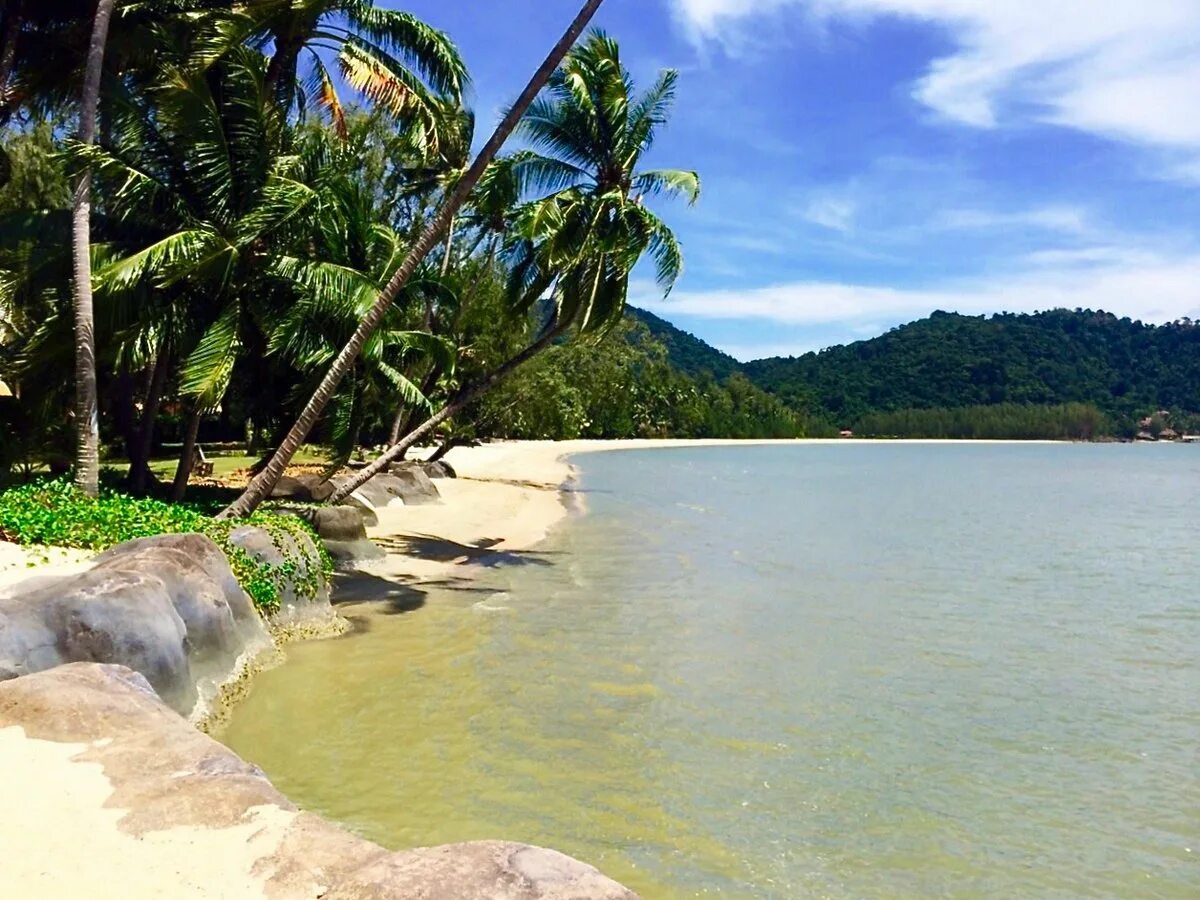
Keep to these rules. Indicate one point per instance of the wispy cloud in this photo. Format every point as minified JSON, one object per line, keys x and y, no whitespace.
{"x":1058,"y":219}
{"x":1142,"y":285}
{"x":1124,"y":69}
{"x":835,"y":213}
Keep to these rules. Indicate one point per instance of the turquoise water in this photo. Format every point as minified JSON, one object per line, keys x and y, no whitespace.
{"x":839,"y":671}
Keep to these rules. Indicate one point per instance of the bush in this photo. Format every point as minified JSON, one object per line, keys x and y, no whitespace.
{"x":57,"y":513}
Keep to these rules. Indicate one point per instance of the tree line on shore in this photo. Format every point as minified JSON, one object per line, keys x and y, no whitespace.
{"x":195,"y":223}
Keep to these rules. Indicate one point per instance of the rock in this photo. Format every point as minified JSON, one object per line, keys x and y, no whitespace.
{"x":343,"y":532}
{"x":439,"y":469}
{"x":166,"y":778}
{"x":409,"y":481}
{"x":302,"y":488}
{"x":488,"y":870}
{"x":406,"y":483}
{"x":298,"y":601}
{"x":103,"y":615}
{"x":168,"y":607}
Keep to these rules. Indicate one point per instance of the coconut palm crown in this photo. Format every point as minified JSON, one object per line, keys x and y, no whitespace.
{"x":589,"y":131}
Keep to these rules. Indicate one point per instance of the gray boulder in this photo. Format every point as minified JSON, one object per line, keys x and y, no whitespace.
{"x":302,"y":488}
{"x":409,"y":481}
{"x":297,"y":600}
{"x":343,"y":533}
{"x":168,"y":607}
{"x":439,"y":469}
{"x":103,"y":615}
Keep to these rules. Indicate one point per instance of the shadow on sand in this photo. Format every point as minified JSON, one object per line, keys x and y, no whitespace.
{"x":480,"y":553}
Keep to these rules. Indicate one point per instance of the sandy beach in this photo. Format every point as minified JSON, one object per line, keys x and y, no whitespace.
{"x":507,"y":496}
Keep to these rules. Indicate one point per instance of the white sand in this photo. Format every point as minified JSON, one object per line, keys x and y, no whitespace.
{"x":59,"y":837}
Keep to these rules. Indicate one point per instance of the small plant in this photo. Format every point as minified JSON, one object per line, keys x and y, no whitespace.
{"x":56,"y":513}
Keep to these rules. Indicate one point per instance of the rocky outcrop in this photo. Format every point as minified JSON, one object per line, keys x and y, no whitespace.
{"x":439,"y":469}
{"x":168,"y":607}
{"x":405,"y":484}
{"x":177,"y":790}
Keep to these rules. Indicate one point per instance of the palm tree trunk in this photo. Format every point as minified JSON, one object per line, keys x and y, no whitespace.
{"x":139,"y":463}
{"x":183,"y":471}
{"x":464,"y":397}
{"x":449,"y":247}
{"x":87,"y":416}
{"x":262,"y":484}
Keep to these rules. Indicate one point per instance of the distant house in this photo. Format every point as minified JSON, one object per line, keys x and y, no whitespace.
{"x":846,"y":433}
{"x":1168,"y":434}
{"x":1145,"y":436}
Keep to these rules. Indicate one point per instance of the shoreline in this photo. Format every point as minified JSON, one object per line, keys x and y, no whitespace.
{"x":507,"y":497}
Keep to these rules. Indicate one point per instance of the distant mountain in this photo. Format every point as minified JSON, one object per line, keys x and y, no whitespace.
{"x":948,"y":360}
{"x":687,"y":352}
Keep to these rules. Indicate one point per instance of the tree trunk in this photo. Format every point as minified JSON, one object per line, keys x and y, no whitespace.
{"x":262,"y":484}
{"x":449,"y":247}
{"x":461,"y":400}
{"x":139,"y":461}
{"x":87,"y":416}
{"x":183,"y":471}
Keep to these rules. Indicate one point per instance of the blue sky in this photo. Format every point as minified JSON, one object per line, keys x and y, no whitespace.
{"x":865,"y":162}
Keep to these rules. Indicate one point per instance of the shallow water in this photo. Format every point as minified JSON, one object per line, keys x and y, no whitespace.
{"x":841,"y":671}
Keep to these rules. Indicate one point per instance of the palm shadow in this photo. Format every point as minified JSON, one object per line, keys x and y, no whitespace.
{"x":480,"y":553}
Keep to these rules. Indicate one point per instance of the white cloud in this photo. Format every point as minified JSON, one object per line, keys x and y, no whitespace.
{"x":1126,"y":69}
{"x":1136,"y":284}
{"x":834,"y":213}
{"x":1061,"y":219}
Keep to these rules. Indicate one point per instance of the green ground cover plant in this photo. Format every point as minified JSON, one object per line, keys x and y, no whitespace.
{"x":56,"y":513}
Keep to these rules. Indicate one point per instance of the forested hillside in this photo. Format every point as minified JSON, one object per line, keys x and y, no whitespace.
{"x":1125,"y":368}
{"x":687,"y":352}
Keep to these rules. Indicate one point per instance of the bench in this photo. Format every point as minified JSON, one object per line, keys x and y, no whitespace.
{"x":201,"y":466}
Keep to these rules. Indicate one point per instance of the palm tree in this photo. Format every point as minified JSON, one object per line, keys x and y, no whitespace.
{"x":264,"y":482}
{"x":196,"y":175}
{"x":87,"y":414}
{"x":391,"y":57}
{"x":583,"y":240}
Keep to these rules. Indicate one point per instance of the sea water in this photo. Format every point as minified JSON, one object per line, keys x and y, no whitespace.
{"x":860,"y":670}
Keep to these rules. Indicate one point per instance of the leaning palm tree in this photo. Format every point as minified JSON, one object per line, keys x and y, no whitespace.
{"x":262,"y":484}
{"x":582,"y":241}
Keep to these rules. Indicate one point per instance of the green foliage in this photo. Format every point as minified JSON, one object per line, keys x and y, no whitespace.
{"x":687,"y":352}
{"x":59,"y":514}
{"x":625,"y":385}
{"x":1124,"y":367}
{"x":1001,"y":421}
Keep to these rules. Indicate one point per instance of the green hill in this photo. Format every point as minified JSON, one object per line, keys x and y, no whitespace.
{"x":1123,"y":367}
{"x":686,"y":352}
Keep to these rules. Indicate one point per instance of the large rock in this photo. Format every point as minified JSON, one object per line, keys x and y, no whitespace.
{"x":305,"y":596}
{"x":302,"y":488}
{"x":412,"y":484}
{"x":484,"y":870}
{"x":439,"y":469}
{"x":109,"y":616}
{"x":406,"y":484}
{"x":191,"y":813}
{"x":343,"y":533}
{"x":168,"y":607}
